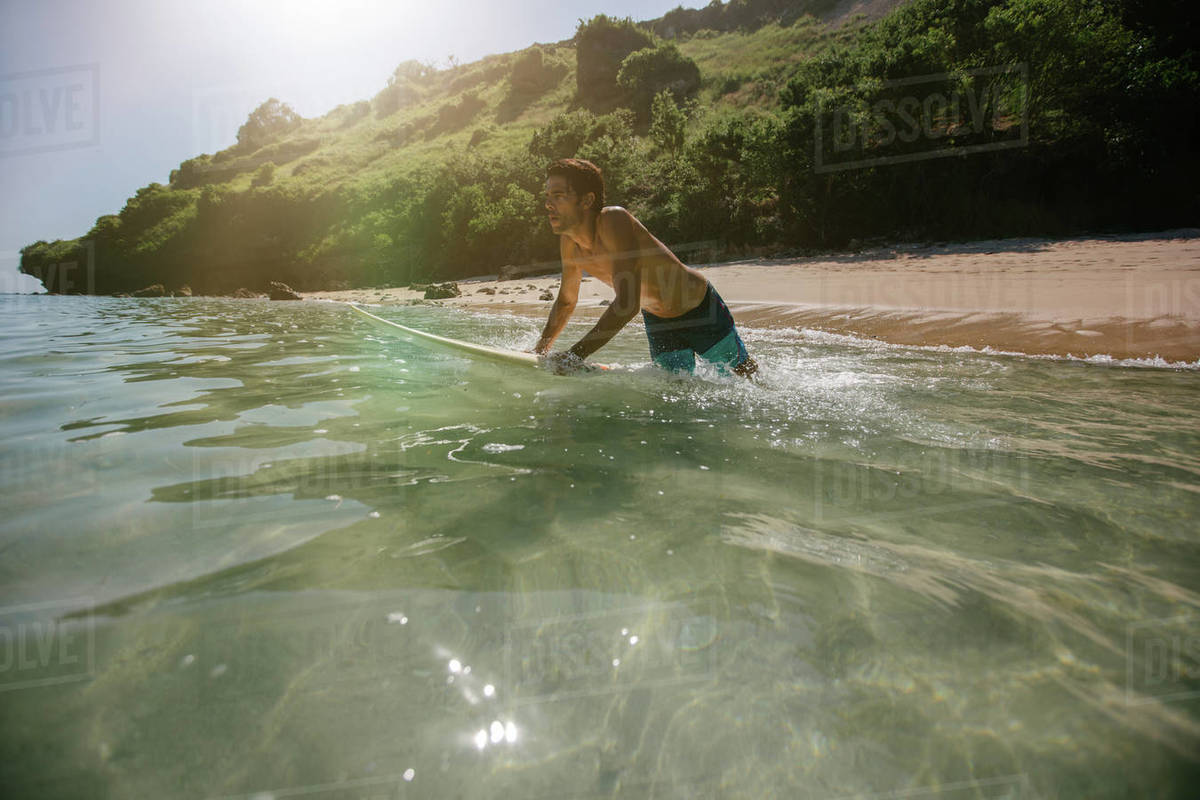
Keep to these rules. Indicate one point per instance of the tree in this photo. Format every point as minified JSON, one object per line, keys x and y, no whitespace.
{"x":563,"y":136}
{"x":652,"y":70}
{"x":667,"y":123}
{"x":266,"y":123}
{"x":601,"y":45}
{"x":404,"y":87}
{"x":411,"y":71}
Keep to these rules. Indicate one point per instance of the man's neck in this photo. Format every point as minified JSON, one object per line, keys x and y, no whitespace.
{"x":585,"y":236}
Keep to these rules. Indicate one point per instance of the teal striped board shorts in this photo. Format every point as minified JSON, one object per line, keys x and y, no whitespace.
{"x":706,"y":331}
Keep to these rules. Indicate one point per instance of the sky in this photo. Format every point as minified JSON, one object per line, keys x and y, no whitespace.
{"x":100,"y":98}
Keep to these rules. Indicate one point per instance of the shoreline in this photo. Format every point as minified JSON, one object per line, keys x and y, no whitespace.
{"x":1133,"y":296}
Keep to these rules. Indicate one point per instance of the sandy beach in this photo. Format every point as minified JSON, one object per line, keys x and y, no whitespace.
{"x":1135,"y":296}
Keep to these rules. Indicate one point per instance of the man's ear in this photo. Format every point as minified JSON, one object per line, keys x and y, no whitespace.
{"x":589,"y":199}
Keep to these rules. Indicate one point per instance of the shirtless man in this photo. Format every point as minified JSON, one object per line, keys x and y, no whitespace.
{"x":684,"y":315}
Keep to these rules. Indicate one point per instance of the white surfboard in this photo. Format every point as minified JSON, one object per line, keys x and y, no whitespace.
{"x":480,"y":350}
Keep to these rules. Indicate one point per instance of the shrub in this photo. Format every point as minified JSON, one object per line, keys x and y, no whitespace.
{"x":487,"y":72}
{"x":355,"y":113}
{"x":652,"y":70}
{"x":264,"y":175}
{"x":405,"y":86}
{"x":454,"y":116}
{"x":282,"y":152}
{"x":563,"y":137}
{"x":213,"y":198}
{"x":309,"y":164}
{"x":606,"y":140}
{"x":479,"y":135}
{"x":667,"y":122}
{"x":191,"y":173}
{"x":266,"y":123}
{"x":601,"y":45}
{"x":393,"y":98}
{"x":534,"y":74}
{"x":151,"y":204}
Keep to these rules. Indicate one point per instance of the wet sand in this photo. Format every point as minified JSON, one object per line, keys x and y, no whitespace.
{"x":1135,"y":296}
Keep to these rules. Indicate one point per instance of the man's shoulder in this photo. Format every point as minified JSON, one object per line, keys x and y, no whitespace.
{"x":615,"y":218}
{"x":614,"y":212}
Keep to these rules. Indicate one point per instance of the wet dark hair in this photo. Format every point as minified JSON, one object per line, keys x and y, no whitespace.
{"x":582,"y":176}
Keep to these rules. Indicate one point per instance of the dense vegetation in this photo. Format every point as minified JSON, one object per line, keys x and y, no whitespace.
{"x":750,"y":121}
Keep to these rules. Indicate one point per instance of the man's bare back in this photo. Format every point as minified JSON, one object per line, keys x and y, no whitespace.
{"x":668,"y":286}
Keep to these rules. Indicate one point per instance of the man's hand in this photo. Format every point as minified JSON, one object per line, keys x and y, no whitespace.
{"x":564,"y":362}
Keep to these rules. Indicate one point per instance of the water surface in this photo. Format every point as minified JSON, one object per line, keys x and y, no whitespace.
{"x":268,"y":550}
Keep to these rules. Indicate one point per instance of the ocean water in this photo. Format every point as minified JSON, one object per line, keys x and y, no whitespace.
{"x":268,"y":550}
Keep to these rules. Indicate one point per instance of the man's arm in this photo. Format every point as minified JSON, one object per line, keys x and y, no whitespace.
{"x":615,"y":226}
{"x":564,"y":304}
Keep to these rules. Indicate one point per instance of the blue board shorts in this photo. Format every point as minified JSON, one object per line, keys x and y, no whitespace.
{"x":707,"y":330}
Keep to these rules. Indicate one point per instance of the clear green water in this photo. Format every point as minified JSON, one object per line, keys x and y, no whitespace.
{"x":265,"y":550}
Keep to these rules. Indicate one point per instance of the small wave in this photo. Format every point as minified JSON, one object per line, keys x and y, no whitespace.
{"x":828,"y":337}
{"x":497,"y":447}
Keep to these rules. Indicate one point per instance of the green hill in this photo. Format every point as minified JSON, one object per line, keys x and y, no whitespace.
{"x":750,"y":124}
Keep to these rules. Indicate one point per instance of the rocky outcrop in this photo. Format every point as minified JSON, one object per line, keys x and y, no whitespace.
{"x":158,"y":290}
{"x":281,"y":291}
{"x":441,"y":291}
{"x":244,"y":292}
{"x":510,"y":272}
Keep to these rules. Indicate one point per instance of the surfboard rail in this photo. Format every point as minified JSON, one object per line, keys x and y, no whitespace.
{"x":495,"y":353}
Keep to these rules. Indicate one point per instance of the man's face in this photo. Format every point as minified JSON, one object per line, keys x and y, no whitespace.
{"x":565,"y":207}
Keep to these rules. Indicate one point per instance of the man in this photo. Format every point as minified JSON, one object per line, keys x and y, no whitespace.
{"x":684,"y":315}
